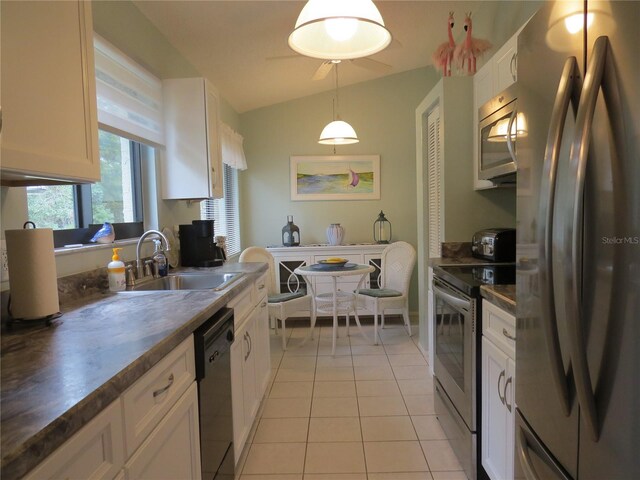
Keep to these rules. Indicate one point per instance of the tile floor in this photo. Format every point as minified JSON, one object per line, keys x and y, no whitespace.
{"x":365,"y":414}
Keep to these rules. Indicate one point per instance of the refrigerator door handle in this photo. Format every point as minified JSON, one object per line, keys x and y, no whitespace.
{"x":600,"y":75}
{"x":525,"y":458}
{"x":568,"y":94}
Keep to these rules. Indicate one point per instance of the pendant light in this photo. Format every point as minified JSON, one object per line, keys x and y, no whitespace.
{"x":339,"y":30}
{"x":338,"y":132}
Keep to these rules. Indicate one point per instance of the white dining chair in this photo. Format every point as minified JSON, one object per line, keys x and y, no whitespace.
{"x":396,"y":266}
{"x":281,"y":305}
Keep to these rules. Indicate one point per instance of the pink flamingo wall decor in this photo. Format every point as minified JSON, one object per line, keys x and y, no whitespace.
{"x":443,"y":55}
{"x":470,"y":49}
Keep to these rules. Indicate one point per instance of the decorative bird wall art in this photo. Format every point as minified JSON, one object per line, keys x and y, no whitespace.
{"x":470,"y":49}
{"x":443,"y":55}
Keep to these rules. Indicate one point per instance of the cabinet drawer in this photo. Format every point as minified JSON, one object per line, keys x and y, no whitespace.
{"x":259,"y":289}
{"x":94,"y":452}
{"x":173,"y":449}
{"x":499,"y":327}
{"x":242,"y":306}
{"x":151,"y":397}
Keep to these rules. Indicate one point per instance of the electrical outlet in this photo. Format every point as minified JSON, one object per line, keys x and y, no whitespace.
{"x":4,"y":262}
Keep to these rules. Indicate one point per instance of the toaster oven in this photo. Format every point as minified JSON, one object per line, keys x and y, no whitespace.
{"x":494,"y":244}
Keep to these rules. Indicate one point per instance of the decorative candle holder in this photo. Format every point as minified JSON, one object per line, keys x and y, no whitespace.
{"x":290,"y":233}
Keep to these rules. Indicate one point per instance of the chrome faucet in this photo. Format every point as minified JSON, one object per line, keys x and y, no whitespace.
{"x":139,"y":266}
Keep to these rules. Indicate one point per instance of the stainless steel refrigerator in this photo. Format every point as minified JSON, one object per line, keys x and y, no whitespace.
{"x":578,"y":271}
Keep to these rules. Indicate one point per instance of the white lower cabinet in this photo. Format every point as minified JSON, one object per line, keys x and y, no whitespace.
{"x":172,"y":451}
{"x":498,"y":394}
{"x":262,"y":346}
{"x":250,"y":363}
{"x":96,"y":451}
{"x":156,"y":418}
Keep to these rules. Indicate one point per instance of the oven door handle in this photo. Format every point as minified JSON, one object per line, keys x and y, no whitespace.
{"x":452,"y":300}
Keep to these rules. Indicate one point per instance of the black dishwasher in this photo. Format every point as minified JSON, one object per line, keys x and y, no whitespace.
{"x":213,"y":372}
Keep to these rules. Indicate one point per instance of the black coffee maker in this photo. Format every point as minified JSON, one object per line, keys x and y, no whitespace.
{"x":198,"y":247}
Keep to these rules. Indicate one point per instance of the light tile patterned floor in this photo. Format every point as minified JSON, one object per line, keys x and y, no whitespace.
{"x":365,"y":414}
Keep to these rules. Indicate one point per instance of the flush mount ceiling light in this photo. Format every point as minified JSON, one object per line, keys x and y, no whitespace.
{"x":338,"y":132}
{"x":339,"y":30}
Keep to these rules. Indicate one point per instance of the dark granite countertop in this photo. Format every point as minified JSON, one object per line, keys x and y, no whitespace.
{"x":55,"y":379}
{"x":503,"y":296}
{"x":439,"y":261}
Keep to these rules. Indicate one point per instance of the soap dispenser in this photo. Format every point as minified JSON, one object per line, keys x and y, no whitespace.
{"x":160,"y":259}
{"x":115,"y":268}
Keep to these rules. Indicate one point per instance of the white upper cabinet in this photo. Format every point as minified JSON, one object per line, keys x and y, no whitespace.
{"x":505,"y":70}
{"x":49,"y":115}
{"x":192,"y":163}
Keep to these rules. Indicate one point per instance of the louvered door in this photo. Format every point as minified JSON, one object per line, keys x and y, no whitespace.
{"x":434,"y":182}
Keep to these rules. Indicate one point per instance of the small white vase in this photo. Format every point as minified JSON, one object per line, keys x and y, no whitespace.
{"x":335,"y":234}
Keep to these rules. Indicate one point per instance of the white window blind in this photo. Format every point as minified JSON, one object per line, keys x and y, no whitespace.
{"x":435,"y":182}
{"x":225,"y":211}
{"x":129,"y":97}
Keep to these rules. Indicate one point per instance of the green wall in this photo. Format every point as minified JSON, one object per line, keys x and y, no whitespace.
{"x":383,"y":114}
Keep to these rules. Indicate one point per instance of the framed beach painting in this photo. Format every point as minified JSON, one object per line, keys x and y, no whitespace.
{"x":335,"y":177}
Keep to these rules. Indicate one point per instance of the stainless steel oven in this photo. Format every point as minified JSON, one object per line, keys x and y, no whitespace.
{"x":498,"y":128}
{"x":457,"y":339}
{"x":455,"y":370}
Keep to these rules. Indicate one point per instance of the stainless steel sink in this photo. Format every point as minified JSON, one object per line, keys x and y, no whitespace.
{"x":187,"y":281}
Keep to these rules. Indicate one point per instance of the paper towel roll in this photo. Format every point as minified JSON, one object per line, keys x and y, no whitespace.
{"x":33,"y":280}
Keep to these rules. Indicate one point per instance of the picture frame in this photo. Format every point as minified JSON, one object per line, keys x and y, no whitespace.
{"x":335,"y":177}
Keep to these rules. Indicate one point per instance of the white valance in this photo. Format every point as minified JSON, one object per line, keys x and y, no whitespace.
{"x":129,"y":97}
{"x":232,"y":152}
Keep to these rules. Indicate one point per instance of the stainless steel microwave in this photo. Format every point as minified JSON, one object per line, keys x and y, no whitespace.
{"x":498,"y":133}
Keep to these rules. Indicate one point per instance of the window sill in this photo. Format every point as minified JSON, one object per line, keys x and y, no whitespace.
{"x":98,"y":246}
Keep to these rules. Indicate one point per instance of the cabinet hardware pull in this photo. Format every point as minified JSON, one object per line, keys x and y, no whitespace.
{"x":165,"y":388}
{"x":502,"y":399}
{"x":513,"y":65}
{"x":263,"y":304}
{"x":246,"y":334}
{"x":250,"y":344}
{"x":508,"y":335}
{"x":506,"y":384}
{"x":261,"y":286}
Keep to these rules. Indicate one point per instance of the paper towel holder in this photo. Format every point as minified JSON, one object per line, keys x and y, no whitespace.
{"x":46,"y":319}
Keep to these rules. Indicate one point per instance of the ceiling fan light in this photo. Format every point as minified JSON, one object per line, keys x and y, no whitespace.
{"x":339,"y":30}
{"x":338,"y":132}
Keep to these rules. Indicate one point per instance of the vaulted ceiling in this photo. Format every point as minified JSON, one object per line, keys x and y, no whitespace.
{"x":241,"y":46}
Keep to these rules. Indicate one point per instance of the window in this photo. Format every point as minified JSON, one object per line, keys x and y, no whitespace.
{"x":115,"y":199}
{"x":225,"y":211}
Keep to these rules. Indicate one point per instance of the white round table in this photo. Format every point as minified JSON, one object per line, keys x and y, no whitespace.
{"x":337,"y":302}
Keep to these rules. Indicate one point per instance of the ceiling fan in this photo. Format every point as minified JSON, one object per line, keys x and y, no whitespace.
{"x":327,"y":65}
